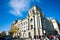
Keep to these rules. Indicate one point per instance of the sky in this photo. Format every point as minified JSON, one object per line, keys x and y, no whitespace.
{"x":11,"y":10}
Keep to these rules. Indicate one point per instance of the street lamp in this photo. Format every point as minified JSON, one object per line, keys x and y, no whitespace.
{"x":44,"y":31}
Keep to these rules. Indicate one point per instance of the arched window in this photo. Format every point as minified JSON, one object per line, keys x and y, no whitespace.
{"x":31,"y":20}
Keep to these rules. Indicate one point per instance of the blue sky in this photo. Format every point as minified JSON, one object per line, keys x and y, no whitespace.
{"x":10,"y":10}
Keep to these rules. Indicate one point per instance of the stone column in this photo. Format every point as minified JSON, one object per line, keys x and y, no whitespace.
{"x":36,"y":26}
{"x":40,"y":27}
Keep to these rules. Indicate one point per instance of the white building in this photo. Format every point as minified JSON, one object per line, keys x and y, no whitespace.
{"x":55,"y":25}
{"x":35,"y":24}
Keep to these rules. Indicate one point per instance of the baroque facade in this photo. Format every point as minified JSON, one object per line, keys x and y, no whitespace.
{"x":36,"y":24}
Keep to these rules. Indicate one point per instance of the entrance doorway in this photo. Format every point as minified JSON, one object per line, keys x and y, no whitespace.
{"x":29,"y":35}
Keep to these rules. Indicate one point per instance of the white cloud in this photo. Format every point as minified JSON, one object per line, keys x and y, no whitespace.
{"x":36,"y":1}
{"x":18,"y":6}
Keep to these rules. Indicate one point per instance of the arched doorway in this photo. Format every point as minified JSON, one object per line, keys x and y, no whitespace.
{"x":29,"y":35}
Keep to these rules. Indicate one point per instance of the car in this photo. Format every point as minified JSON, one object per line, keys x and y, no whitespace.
{"x":50,"y":37}
{"x":2,"y":38}
{"x":7,"y":38}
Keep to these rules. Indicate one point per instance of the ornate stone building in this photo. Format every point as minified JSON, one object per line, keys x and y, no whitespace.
{"x":35,"y":24}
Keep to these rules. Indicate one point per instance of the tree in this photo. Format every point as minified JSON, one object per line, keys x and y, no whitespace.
{"x":0,"y":34}
{"x":13,"y":29}
{"x":3,"y":34}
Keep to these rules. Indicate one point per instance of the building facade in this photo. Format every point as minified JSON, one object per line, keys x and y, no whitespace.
{"x":35,"y":24}
{"x":56,"y":25}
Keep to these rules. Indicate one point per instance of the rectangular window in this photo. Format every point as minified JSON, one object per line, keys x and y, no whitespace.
{"x":24,"y":23}
{"x":31,"y":26}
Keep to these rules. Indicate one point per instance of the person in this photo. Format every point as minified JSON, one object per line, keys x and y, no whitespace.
{"x":47,"y":38}
{"x":59,"y":37}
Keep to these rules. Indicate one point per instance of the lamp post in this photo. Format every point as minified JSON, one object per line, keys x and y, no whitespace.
{"x":44,"y":31}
